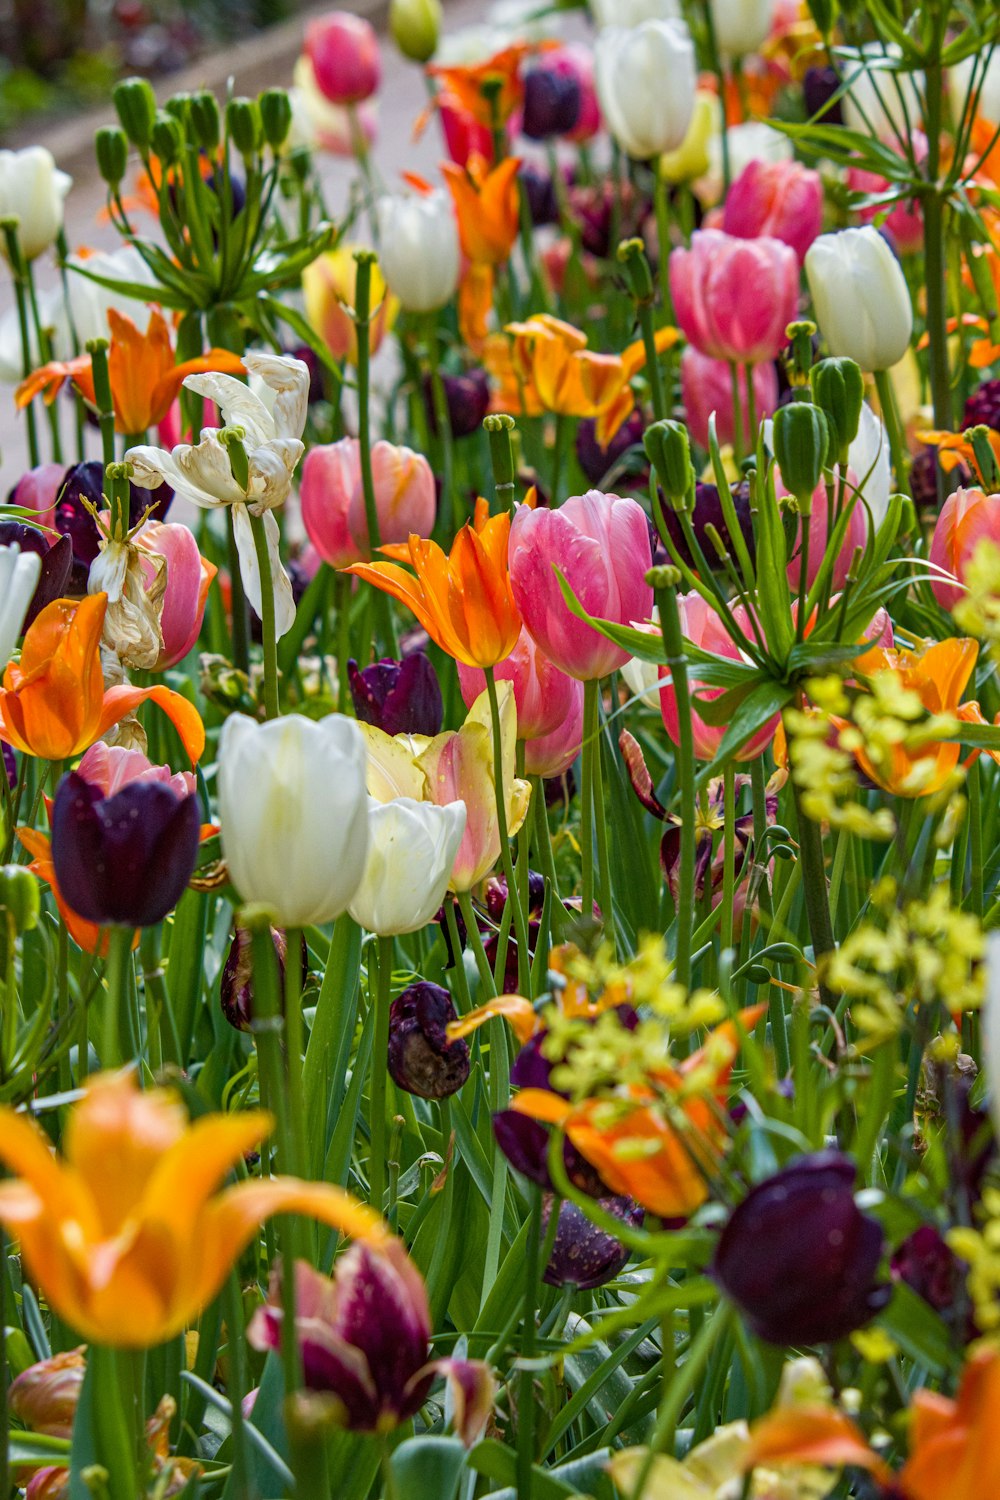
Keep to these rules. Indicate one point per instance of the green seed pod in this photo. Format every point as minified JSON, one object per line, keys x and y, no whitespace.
{"x":636,"y":272}
{"x":246,"y":131}
{"x":111,"y":149}
{"x":136,"y":105}
{"x":19,"y":898}
{"x":838,"y":388}
{"x":204,"y":118}
{"x":801,"y":441}
{"x":276,"y":117}
{"x":668,"y":449}
{"x":167,"y":139}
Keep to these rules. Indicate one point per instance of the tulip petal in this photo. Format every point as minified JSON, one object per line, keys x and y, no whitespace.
{"x":810,"y":1435}
{"x":516,"y":1009}
{"x":119,"y":701}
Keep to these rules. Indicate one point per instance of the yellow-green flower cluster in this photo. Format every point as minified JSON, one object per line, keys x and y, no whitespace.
{"x":978,"y":611}
{"x":980,"y":1249}
{"x":822,"y":764}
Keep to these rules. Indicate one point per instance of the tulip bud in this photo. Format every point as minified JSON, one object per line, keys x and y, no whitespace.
{"x":668,"y":449}
{"x":839,"y":391}
{"x":415,"y":26}
{"x":398,"y":697}
{"x":204,"y":116}
{"x":136,"y":105}
{"x":422,"y":1061}
{"x":551,"y":103}
{"x":467,"y":397}
{"x":111,"y":149}
{"x":861,"y":298}
{"x":45,"y":1395}
{"x":801,"y":440}
{"x":244,"y":120}
{"x":800,"y":355}
{"x":19,"y":899}
{"x":636,"y":272}
{"x":583,"y":1254}
{"x":275,"y":116}
{"x":236,"y":982}
{"x":167,"y":139}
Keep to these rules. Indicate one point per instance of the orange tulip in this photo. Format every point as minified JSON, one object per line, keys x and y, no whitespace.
{"x":53,"y":703}
{"x":817,"y":1435}
{"x":571,"y":380}
{"x":462,"y":599}
{"x":126,"y":1233}
{"x":145,"y":381}
{"x":487,"y":206}
{"x":464,"y":83}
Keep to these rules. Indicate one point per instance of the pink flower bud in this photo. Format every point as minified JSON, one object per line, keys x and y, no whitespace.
{"x":703,"y":628}
{"x":854,"y":537}
{"x":549,"y":705}
{"x":333,"y":501}
{"x":189,"y":577}
{"x":781,"y":199}
{"x":734,"y":298}
{"x":967,"y":518}
{"x":707,"y":387}
{"x":343,"y":50}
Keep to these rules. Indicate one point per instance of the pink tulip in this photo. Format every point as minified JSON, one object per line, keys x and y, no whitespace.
{"x":111,"y":767}
{"x":780,"y":199}
{"x":707,"y":387}
{"x":600,"y":543}
{"x":702,"y":627}
{"x":904,"y":219}
{"x":552,"y":754}
{"x":854,"y":537}
{"x":333,"y":501}
{"x":189,"y":576}
{"x":967,"y":518}
{"x":734,"y":298}
{"x":542,"y":693}
{"x":576,"y":60}
{"x":38,"y":489}
{"x":343,"y":50}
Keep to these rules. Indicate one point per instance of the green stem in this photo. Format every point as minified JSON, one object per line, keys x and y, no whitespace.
{"x":442,"y":421}
{"x":734,"y":371}
{"x":654,"y":375}
{"x":241,"y":633}
{"x":294,"y":1052}
{"x":116,"y":1023}
{"x":379,"y":1074}
{"x":9,"y":228}
{"x":661,"y":205}
{"x":678,"y":1389}
{"x":558,"y":442}
{"x":673,"y":641}
{"x":520,"y":921}
{"x":236,"y":1381}
{"x":526,"y":1382}
{"x":715,"y":62}
{"x":934,"y":207}
{"x":113,"y":1417}
{"x":604,"y":897}
{"x":728,"y":852}
{"x":272,"y":708}
{"x":587,"y":753}
{"x":890,"y":416}
{"x":45,"y":353}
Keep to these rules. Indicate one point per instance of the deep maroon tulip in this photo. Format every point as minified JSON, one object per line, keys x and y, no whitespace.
{"x":595,"y":461}
{"x":236,"y":982}
{"x":925,"y":1262}
{"x":126,"y":858}
{"x":584,"y":1255}
{"x":57,"y":563}
{"x":496,"y":905}
{"x":8,"y":761}
{"x":72,"y":518}
{"x":398,"y":697}
{"x":799,"y":1258}
{"x":818,"y":88}
{"x":708,"y":512}
{"x":551,"y":103}
{"x":543,"y":205}
{"x":982,"y":408}
{"x":421,"y":1059}
{"x":468,"y":400}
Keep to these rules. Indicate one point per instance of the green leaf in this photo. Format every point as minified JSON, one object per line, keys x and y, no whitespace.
{"x":429,"y":1467}
{"x":755,"y":710}
{"x":919,"y":1331}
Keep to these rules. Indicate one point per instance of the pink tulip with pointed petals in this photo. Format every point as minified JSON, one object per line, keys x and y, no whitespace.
{"x":734,"y":298}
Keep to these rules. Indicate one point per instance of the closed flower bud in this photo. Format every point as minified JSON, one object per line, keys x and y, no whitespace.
{"x":416,"y":27}
{"x":636,"y":272}
{"x":275,"y":116}
{"x":669,"y":451}
{"x":467,"y":397}
{"x":236,"y":982}
{"x":646,"y":85}
{"x":19,"y":575}
{"x":927,"y":1265}
{"x":167,"y":139}
{"x":19,"y":899}
{"x":32,"y":190}
{"x":860,"y":295}
{"x":708,"y":512}
{"x":204,"y":118}
{"x":343,"y":50}
{"x":838,"y":389}
{"x":45,"y":1395}
{"x":584,"y":1255}
{"x":741,"y":26}
{"x":419,"y":249}
{"x":734,"y":298}
{"x":399,"y":697}
{"x":801,"y":440}
{"x":136,"y":105}
{"x":799,"y":1258}
{"x":422,"y":1060}
{"x":551,"y":103}
{"x":411,"y":853}
{"x":243,"y":118}
{"x":111,"y":149}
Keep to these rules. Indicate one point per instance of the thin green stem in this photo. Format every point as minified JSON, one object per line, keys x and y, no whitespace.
{"x":9,"y":228}
{"x":653,"y":372}
{"x":116,"y":1021}
{"x":890,"y":416}
{"x":588,"y":752}
{"x":513,"y":894}
{"x":526,"y":1382}
{"x":272,"y":707}
{"x":673,"y":642}
{"x":728,"y":853}
{"x":661,"y":204}
{"x":379,"y":1074}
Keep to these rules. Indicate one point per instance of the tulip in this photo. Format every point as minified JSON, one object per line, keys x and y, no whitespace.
{"x":541,"y":693}
{"x":552,"y":101}
{"x":496,"y":896}
{"x":734,"y":298}
{"x":783,"y":200}
{"x":55,"y":565}
{"x":37,"y":490}
{"x":415,"y":27}
{"x":126,"y":1233}
{"x":189,"y":577}
{"x":740,"y":26}
{"x":319,"y":125}
{"x":601,"y":544}
{"x":45,"y":1395}
{"x":73,"y":517}
{"x":576,"y":60}
{"x":124,"y":858}
{"x":398,"y":697}
{"x":552,"y":358}
{"x":465,"y":137}
{"x":464,"y":83}
{"x":333,"y":501}
{"x":236,"y":994}
{"x":860,"y":296}
{"x":854,"y":537}
{"x":364,"y":1338}
{"x":411,"y":852}
{"x":32,"y":190}
{"x":463,"y":600}
{"x":799,"y":1258}
{"x":701,"y":625}
{"x":646,"y":85}
{"x":487,"y":206}
{"x":927,"y":1265}
{"x":525,"y":1141}
{"x":294,"y":814}
{"x":343,"y":49}
{"x":419,"y":249}
{"x":19,"y":575}
{"x":707,"y":389}
{"x":597,"y":459}
{"x":328,"y":286}
{"x":53,"y":703}
{"x":967,"y":518}
{"x":692,"y":157}
{"x":630,"y":13}
{"x":584,"y":1255}
{"x":422,"y":1060}
{"x":467,"y":397}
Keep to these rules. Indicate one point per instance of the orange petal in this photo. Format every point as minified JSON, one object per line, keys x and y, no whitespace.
{"x":119,"y":701}
{"x":810,"y":1435}
{"x":514,"y":1008}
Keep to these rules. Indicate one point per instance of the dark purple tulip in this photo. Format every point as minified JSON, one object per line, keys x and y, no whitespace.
{"x":57,"y":563}
{"x":421,"y":1059}
{"x":982,"y":408}
{"x":468,"y":400}
{"x":309,"y":358}
{"x":9,"y":762}
{"x":927,"y":1265}
{"x":496,"y":905}
{"x":543,"y":205}
{"x":583,"y":1254}
{"x":124,"y":859}
{"x":399,"y":697}
{"x":236,"y":983}
{"x":551,"y":103}
{"x":595,"y":461}
{"x":799,"y":1258}
{"x":708,"y":512}
{"x":818,"y":89}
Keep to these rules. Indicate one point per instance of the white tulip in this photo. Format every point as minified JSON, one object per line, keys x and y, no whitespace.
{"x":741,"y":25}
{"x":202,"y":472}
{"x":89,"y":301}
{"x":628,"y":13}
{"x":19,"y":574}
{"x":879,"y":100}
{"x":860,"y":297}
{"x":646,"y":81}
{"x":32,"y":190}
{"x":411,"y":851}
{"x":868,"y":456}
{"x":294,"y":814}
{"x":419,"y":249}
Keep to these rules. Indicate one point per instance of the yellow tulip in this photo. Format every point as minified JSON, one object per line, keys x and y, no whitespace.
{"x":692,"y":159}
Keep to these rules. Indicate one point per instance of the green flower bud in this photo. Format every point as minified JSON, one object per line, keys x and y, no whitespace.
{"x":824,"y":13}
{"x":111,"y":148}
{"x":801,"y":441}
{"x":415,"y":27}
{"x":668,"y":449}
{"x":243,"y":120}
{"x":167,"y":139}
{"x":204,"y":118}
{"x":136,"y":105}
{"x":19,"y":898}
{"x":636,"y":272}
{"x":800,"y":335}
{"x":275,"y":116}
{"x":838,"y":388}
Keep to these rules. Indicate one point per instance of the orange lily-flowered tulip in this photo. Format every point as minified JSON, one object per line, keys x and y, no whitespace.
{"x":126,"y":1233}
{"x":668,"y":1174}
{"x":954,"y":448}
{"x":571,"y":380}
{"x":487,"y":206}
{"x":145,"y":381}
{"x":938,"y":674}
{"x":53,"y":703}
{"x":463,"y":598}
{"x":817,"y":1435}
{"x":463,"y":82}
